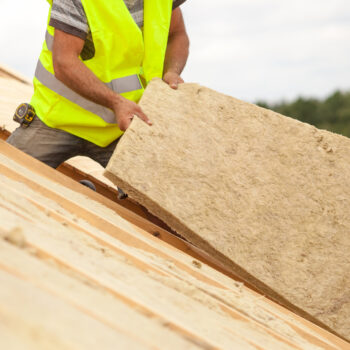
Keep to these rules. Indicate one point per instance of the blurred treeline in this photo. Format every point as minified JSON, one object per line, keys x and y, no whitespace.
{"x":332,"y":113}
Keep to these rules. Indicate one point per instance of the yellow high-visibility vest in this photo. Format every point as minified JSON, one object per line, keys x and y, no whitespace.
{"x":125,"y":59}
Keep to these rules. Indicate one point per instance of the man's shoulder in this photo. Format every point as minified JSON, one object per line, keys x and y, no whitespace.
{"x":69,"y":16}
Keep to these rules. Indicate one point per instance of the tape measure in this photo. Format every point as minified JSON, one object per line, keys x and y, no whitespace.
{"x":24,"y":115}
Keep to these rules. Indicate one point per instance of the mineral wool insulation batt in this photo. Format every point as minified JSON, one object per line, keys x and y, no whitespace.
{"x":266,"y":195}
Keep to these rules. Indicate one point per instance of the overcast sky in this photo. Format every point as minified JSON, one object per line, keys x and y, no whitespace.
{"x":250,"y":49}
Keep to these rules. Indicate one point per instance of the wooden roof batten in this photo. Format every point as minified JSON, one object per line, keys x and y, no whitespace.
{"x":7,"y":72}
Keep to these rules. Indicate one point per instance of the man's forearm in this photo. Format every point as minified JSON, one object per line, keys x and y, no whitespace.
{"x":79,"y":78}
{"x":177,"y":53}
{"x":177,"y":50}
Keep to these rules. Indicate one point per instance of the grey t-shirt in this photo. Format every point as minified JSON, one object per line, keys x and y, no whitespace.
{"x":69,"y":16}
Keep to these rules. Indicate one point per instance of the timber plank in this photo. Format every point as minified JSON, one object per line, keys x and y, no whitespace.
{"x":90,"y":300}
{"x":12,"y":341}
{"x":116,"y":274}
{"x":54,"y":323}
{"x":42,"y":241}
{"x":145,"y":266}
{"x":19,"y":169}
{"x":126,"y":291}
{"x":12,"y":93}
{"x":144,"y":263}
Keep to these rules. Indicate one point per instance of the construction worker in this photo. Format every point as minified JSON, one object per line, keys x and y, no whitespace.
{"x":97,"y":58}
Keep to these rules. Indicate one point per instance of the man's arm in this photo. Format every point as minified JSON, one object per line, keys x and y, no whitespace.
{"x":177,"y":50}
{"x":73,"y":73}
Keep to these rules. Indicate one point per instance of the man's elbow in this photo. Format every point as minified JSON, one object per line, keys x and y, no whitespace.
{"x":62,"y":66}
{"x":58,"y":67}
{"x":65,"y":53}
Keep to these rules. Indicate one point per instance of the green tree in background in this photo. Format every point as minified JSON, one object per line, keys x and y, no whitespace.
{"x":332,"y":113}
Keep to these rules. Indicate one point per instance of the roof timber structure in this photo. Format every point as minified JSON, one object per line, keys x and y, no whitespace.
{"x":66,"y":248}
{"x":7,"y":72}
{"x":82,"y":270}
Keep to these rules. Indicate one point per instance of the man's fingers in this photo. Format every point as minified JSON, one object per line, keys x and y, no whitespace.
{"x":143,"y":116}
{"x":174,"y":82}
{"x":124,"y":124}
{"x":125,"y":113}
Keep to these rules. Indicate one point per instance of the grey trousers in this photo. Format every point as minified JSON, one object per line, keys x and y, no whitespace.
{"x":54,"y":146}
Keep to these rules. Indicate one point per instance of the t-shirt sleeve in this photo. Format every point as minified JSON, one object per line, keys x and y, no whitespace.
{"x":177,"y":3}
{"x":69,"y":16}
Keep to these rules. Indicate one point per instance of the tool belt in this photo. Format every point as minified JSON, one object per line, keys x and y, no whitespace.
{"x":24,"y":114}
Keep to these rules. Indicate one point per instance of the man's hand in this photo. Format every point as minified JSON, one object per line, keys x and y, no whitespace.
{"x":173,"y":79}
{"x":125,"y":111}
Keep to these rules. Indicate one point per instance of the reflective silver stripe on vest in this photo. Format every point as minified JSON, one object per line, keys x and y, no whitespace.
{"x":49,"y":41}
{"x":120,"y":85}
{"x":50,"y":81}
{"x":125,"y":84}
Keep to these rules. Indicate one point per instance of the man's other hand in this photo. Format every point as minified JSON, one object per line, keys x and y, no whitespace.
{"x":125,"y":110}
{"x":173,"y":79}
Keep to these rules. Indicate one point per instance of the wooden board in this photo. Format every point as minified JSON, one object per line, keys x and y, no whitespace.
{"x":9,"y":73}
{"x":12,"y":94}
{"x":266,"y":195}
{"x":63,"y":248}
